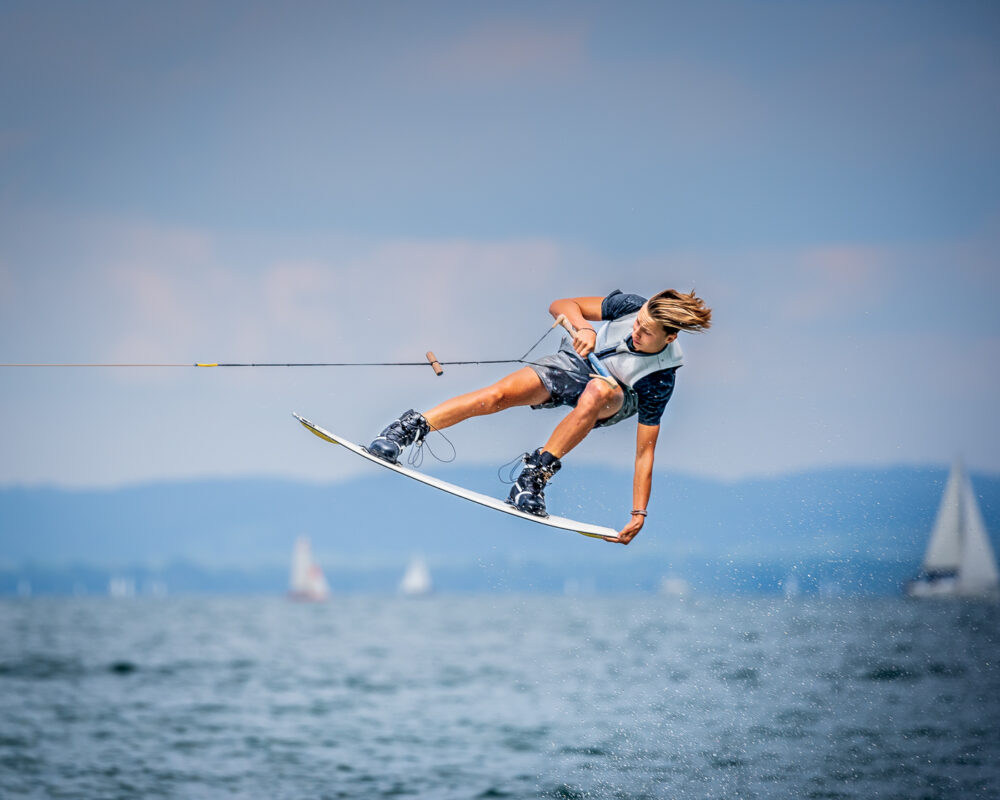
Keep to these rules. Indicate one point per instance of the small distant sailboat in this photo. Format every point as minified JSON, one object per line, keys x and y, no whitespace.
{"x":790,"y":586}
{"x":417,"y":579}
{"x":307,"y":582}
{"x":959,"y":561}
{"x":674,"y":586}
{"x":121,"y":587}
{"x":578,"y":587}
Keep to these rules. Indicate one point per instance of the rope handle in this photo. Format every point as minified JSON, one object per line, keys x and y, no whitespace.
{"x":599,"y":368}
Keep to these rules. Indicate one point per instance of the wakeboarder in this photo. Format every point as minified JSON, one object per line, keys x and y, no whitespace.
{"x":636,"y":344}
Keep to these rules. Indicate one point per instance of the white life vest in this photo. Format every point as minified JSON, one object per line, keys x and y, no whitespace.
{"x":628,"y":366}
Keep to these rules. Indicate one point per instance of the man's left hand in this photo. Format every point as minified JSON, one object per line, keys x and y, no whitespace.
{"x":629,"y":532}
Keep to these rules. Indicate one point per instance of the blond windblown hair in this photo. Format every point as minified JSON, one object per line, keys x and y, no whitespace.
{"x":677,"y":311}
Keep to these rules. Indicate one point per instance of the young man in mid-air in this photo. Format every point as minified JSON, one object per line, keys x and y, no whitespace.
{"x":636,"y":344}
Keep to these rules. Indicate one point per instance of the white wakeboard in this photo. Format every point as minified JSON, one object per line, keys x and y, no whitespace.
{"x":583,"y":528}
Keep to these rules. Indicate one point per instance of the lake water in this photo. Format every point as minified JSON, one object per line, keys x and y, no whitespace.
{"x":498,"y":696}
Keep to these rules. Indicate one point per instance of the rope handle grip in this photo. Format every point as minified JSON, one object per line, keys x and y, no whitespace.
{"x":600,"y":371}
{"x":435,"y":364}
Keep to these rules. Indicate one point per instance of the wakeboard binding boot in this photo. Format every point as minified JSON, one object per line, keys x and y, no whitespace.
{"x":410,"y":427}
{"x":527,"y":494}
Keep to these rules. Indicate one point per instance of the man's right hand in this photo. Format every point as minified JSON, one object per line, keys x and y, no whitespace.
{"x":584,"y":341}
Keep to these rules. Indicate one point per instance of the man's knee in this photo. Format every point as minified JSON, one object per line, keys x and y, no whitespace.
{"x":492,"y":399}
{"x":601,"y":396}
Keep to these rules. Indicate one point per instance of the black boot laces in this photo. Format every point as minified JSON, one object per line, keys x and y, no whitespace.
{"x":511,"y":468}
{"x":534,"y":475}
{"x":415,"y":458}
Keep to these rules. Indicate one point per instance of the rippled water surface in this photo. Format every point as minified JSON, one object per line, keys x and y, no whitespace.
{"x":480,"y":697}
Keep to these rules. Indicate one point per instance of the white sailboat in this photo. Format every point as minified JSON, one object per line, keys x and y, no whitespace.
{"x":417,"y":579}
{"x":121,"y":587}
{"x":674,"y":586}
{"x":307,"y":582}
{"x":959,"y":561}
{"x":790,"y":586}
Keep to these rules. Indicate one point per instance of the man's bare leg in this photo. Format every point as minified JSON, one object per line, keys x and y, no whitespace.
{"x":521,"y":388}
{"x":598,"y":401}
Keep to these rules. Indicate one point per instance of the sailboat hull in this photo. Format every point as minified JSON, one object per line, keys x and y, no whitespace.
{"x":307,"y":597}
{"x":948,"y":586}
{"x":936,"y":587}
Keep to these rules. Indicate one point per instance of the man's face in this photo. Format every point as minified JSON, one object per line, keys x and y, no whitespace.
{"x":648,"y":335}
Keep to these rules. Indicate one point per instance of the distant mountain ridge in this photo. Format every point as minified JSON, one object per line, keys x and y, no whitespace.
{"x":838,"y":531}
{"x":835,"y":513}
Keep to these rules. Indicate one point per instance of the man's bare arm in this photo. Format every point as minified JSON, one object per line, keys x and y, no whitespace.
{"x":642,"y":480}
{"x":580,"y":311}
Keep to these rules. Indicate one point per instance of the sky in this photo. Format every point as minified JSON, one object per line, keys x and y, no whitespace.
{"x":245,"y":181}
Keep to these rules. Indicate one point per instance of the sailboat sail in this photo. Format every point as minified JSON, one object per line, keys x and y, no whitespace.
{"x":417,"y":579}
{"x":307,"y":581}
{"x":944,"y":549}
{"x":959,"y":560}
{"x":977,"y":570}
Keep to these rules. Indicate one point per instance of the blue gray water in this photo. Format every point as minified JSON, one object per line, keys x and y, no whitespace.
{"x":498,"y":696}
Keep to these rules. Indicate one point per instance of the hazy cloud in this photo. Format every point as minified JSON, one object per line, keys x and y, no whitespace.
{"x":499,"y":51}
{"x":836,"y":284}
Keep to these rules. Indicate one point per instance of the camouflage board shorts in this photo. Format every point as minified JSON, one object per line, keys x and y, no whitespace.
{"x":566,"y":375}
